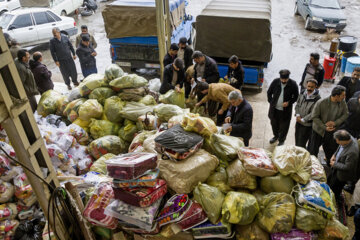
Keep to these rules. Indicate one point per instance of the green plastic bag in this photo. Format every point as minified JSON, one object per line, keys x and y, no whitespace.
{"x":238,"y":177}
{"x":51,"y":102}
{"x":167,"y":111}
{"x":278,"y":183}
{"x":72,"y":109}
{"x":92,"y":82}
{"x":239,"y":208}
{"x":128,"y":131}
{"x":224,"y":147}
{"x":113,"y":71}
{"x":251,"y":232}
{"x":128,"y":81}
{"x":101,"y":128}
{"x":308,"y":220}
{"x":277,"y":213}
{"x":211,"y":199}
{"x":219,"y":179}
{"x":107,"y":144}
{"x":173,"y":97}
{"x":133,"y":110}
{"x":201,"y":125}
{"x":148,"y":100}
{"x":99,"y":165}
{"x":90,"y":109}
{"x":112,"y":108}
{"x":101,"y":94}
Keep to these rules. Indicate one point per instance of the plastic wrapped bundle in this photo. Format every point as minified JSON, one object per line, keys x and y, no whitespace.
{"x":132,"y":94}
{"x":293,"y":161}
{"x":239,"y":208}
{"x":155,"y":84}
{"x":101,"y":128}
{"x":175,"y":120}
{"x":133,"y":110}
{"x":148,"y":100}
{"x":51,"y":102}
{"x":278,"y":183}
{"x":167,"y":111}
{"x":257,"y":162}
{"x":201,"y":125}
{"x":79,"y":134}
{"x":308,"y":220}
{"x":317,"y":170}
{"x":128,"y":131}
{"x":113,"y":71}
{"x":7,"y":191}
{"x":112,"y":108}
{"x":137,"y":143}
{"x":251,"y":232}
{"x":90,"y":109}
{"x":277,"y":212}
{"x":8,"y":228}
{"x":23,"y":190}
{"x":107,"y":144}
{"x":211,"y":199}
{"x":238,"y":177}
{"x":219,"y":179}
{"x":174,"y":97}
{"x":92,"y":82}
{"x":72,"y":109}
{"x":147,"y":122}
{"x":334,"y":230}
{"x":128,"y":81}
{"x":101,"y":94}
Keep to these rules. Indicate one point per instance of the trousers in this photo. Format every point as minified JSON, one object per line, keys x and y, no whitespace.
{"x":87,"y":71}
{"x":335,"y":184}
{"x":280,"y":123}
{"x":328,"y":142}
{"x":302,"y":135}
{"x":68,"y":70}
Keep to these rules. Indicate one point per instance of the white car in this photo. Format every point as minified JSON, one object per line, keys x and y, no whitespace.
{"x":33,"y":26}
{"x":8,"y":5}
{"x":65,"y":7}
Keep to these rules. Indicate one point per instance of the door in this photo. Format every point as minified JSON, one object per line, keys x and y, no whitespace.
{"x":23,"y":30}
{"x":44,"y":25}
{"x":301,"y":7}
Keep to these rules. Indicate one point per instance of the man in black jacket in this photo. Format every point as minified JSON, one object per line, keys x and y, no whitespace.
{"x":171,"y":54}
{"x":282,"y":94}
{"x":205,"y":68}
{"x":240,"y":116}
{"x":41,"y":73}
{"x":174,"y":76}
{"x":351,"y":124}
{"x":61,"y":50}
{"x":86,"y":55}
{"x":235,"y":73}
{"x":352,"y":83}
{"x":313,"y":70}
{"x":185,"y":53}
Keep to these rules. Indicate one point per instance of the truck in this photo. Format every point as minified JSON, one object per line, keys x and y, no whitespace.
{"x":243,"y":28}
{"x":131,"y":28}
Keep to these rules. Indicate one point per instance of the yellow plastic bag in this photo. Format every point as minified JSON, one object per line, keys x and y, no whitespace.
{"x":92,"y":82}
{"x":308,"y":220}
{"x":201,"y":125}
{"x":128,"y":81}
{"x":112,"y":108}
{"x":101,"y":94}
{"x":101,"y":128}
{"x":107,"y":144}
{"x":238,"y":177}
{"x":128,"y":131}
{"x":251,"y":232}
{"x":51,"y":102}
{"x":167,"y":111}
{"x":334,"y":230}
{"x":113,"y":71}
{"x":90,"y":109}
{"x":148,"y":100}
{"x":219,"y":179}
{"x":239,"y":208}
{"x":99,"y":165}
{"x":174,"y":97}
{"x":72,"y":109}
{"x":83,"y":124}
{"x":132,"y":94}
{"x":278,"y":183}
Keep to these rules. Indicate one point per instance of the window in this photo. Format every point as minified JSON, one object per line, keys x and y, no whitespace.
{"x":5,"y":20}
{"x":57,"y":18}
{"x":42,"y":18}
{"x":22,"y":21}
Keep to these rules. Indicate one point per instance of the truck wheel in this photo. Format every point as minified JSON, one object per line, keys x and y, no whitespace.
{"x":296,"y":10}
{"x":308,"y":23}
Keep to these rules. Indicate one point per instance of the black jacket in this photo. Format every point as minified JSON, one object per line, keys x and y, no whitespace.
{"x":345,"y":81}
{"x":291,"y":93}
{"x":319,"y":75}
{"x":188,"y":61}
{"x":61,"y":50}
{"x":351,"y":124}
{"x":211,"y":73}
{"x":42,"y":76}
{"x":237,"y":74}
{"x":241,"y":120}
{"x":86,"y":59}
{"x":168,"y":59}
{"x":168,"y":76}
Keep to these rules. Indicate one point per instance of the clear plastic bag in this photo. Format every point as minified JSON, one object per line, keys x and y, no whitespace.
{"x":113,"y":71}
{"x":107,"y":144}
{"x":154,"y":85}
{"x":112,"y":109}
{"x":23,"y":190}
{"x":201,"y":125}
{"x":238,"y":177}
{"x":65,"y":141}
{"x":147,"y":122}
{"x":50,"y":102}
{"x":317,"y":170}
{"x":72,"y":109}
{"x":173,"y":97}
{"x":90,"y":109}
{"x":79,"y":134}
{"x":101,"y":94}
{"x":257,"y":162}
{"x":137,"y":143}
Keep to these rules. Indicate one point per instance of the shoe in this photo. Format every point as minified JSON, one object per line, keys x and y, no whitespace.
{"x":273,"y":140}
{"x":76,"y":84}
{"x":69,"y":87}
{"x":349,"y":188}
{"x":281,"y":143}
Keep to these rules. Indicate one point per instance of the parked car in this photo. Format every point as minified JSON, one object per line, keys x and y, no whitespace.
{"x":60,"y":7}
{"x":33,"y":26}
{"x":8,"y":5}
{"x":321,"y":14}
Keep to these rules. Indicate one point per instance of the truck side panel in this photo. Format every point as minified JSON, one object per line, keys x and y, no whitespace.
{"x":254,"y":75}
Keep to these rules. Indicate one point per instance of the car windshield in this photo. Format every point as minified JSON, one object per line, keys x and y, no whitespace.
{"x":5,"y":20}
{"x":325,"y":3}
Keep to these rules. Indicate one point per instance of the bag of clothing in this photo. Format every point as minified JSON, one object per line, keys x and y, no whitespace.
{"x":211,"y":199}
{"x":334,"y":230}
{"x":239,"y":208}
{"x":177,"y":144}
{"x":294,"y":161}
{"x":107,"y":144}
{"x":201,"y":125}
{"x":83,"y":124}
{"x":101,"y":94}
{"x":173,"y":97}
{"x":99,"y":165}
{"x":167,"y":111}
{"x":238,"y":177}
{"x":112,"y":108}
{"x":257,"y":162}
{"x":101,"y":128}
{"x":7,"y":191}
{"x":132,"y":94}
{"x":137,"y":143}
{"x":79,"y":134}
{"x":51,"y":102}
{"x":92,"y":82}
{"x":113,"y":71}
{"x":128,"y":131}
{"x":128,"y":81}
{"x":317,"y":170}
{"x":308,"y":220}
{"x":277,"y":183}
{"x":277,"y":212}
{"x":174,"y":209}
{"x":148,"y":100}
{"x":133,"y":110}
{"x":72,"y":109}
{"x":219,"y":179}
{"x":147,"y":122}
{"x":90,"y":109}
{"x":251,"y":232}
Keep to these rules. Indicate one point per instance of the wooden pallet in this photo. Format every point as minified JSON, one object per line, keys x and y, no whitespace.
{"x":17,"y":118}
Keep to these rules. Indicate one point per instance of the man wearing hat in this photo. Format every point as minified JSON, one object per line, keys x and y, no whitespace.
{"x":282,"y":94}
{"x":86,"y":55}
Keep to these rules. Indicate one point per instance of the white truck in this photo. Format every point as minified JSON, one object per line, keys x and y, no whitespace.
{"x":60,"y":7}
{"x":8,"y":5}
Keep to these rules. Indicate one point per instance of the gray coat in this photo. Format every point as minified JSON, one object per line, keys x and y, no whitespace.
{"x":304,"y":106}
{"x":322,"y":113}
{"x":27,"y":78}
{"x":347,"y":163}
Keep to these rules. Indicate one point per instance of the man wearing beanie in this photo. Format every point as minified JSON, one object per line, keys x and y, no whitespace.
{"x":86,"y":55}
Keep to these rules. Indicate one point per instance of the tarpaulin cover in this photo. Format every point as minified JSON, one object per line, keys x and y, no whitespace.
{"x":243,"y":27}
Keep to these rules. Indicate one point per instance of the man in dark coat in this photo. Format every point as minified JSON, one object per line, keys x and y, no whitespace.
{"x":185,"y":53}
{"x":240,"y":116}
{"x":352,"y":83}
{"x":171,"y":54}
{"x":86,"y":55}
{"x":351,"y":124}
{"x":282,"y":94}
{"x":174,"y":76}
{"x":235,"y":73}
{"x":61,"y":50}
{"x":313,"y":70}
{"x":41,"y":73}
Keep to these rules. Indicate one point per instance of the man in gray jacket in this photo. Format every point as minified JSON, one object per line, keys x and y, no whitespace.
{"x":304,"y":106}
{"x":328,"y":114}
{"x":344,"y":162}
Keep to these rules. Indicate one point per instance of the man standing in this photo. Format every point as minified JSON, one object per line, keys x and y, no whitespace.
{"x":304,"y":106}
{"x":26,"y":76}
{"x":15,"y":47}
{"x":174,"y":76}
{"x":352,"y":83}
{"x":282,"y":94}
{"x":240,"y":116}
{"x":351,"y":124}
{"x":85,"y":32}
{"x":313,"y":70}
{"x":41,"y":73}
{"x":344,"y":162}
{"x":171,"y":54}
{"x":61,"y":50}
{"x":235,"y":73}
{"x":205,"y":68}
{"x":86,"y":56}
{"x":328,"y":114}
{"x":185,"y":53}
